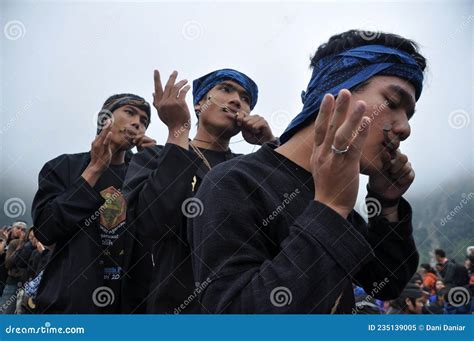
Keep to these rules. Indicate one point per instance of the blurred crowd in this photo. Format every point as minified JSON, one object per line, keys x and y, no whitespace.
{"x":445,"y":288}
{"x":22,"y":260}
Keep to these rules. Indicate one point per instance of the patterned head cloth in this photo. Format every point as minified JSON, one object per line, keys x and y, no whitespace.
{"x":118,"y":101}
{"x":346,"y":70}
{"x":202,"y":85}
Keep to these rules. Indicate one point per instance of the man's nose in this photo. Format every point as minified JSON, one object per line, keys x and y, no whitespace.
{"x":402,"y":129}
{"x":136,"y":123}
{"x":235,"y":100}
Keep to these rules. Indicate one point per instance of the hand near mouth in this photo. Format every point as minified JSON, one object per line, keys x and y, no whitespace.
{"x":394,"y":179}
{"x":143,"y":141}
{"x":255,"y":129}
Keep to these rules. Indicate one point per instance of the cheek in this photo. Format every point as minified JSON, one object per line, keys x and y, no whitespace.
{"x":120,"y":120}
{"x":212,"y":115}
{"x":372,"y":143}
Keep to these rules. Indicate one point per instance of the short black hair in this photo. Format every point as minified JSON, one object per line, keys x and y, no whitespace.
{"x":428,"y":268}
{"x":440,"y":253}
{"x":112,"y":98}
{"x":109,"y":101}
{"x":354,"y":38}
{"x":400,"y":304}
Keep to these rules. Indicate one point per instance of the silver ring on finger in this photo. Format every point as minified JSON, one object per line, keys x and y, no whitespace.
{"x":339,"y":151}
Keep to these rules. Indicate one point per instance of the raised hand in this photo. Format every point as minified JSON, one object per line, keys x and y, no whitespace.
{"x":172,"y":108}
{"x":335,"y":161}
{"x":101,"y":155}
{"x":394,"y":179}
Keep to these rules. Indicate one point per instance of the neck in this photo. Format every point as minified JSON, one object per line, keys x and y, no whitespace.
{"x":299,"y":148}
{"x":206,"y":140}
{"x":118,"y":157}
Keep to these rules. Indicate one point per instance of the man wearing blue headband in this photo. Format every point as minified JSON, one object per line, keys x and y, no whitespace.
{"x":79,"y":212}
{"x":279,"y":233}
{"x":163,"y":180}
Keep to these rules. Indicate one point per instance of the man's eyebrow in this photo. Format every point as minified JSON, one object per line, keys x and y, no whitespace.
{"x":230,"y":85}
{"x":405,"y":98}
{"x":136,"y":111}
{"x":131,"y":107}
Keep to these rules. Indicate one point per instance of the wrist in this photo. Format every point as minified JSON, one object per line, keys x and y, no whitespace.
{"x":385,"y":203}
{"x":342,"y":211}
{"x":94,"y":169}
{"x":179,"y":128}
{"x":180,"y":138}
{"x":92,"y":174}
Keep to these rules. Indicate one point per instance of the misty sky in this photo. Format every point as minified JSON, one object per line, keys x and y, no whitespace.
{"x":61,"y":59}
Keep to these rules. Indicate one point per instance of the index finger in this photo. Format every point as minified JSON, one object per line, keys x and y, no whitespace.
{"x":103,"y":133}
{"x":170,"y":84}
{"x":158,"y":87}
{"x":321,"y":122}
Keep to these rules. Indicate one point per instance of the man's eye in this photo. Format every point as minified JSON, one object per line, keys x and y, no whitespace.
{"x":225,"y":88}
{"x":391,"y":104}
{"x":246,"y":99}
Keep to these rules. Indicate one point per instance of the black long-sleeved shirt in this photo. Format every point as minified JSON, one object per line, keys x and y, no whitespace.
{"x":159,"y":180}
{"x":68,"y":213}
{"x":265,"y":245}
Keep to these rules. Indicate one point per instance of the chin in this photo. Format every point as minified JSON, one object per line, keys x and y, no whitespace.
{"x":370,"y":168}
{"x":227,"y":130}
{"x":125,"y":145}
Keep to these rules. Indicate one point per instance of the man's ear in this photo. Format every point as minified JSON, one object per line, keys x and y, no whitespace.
{"x":408,"y":303}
